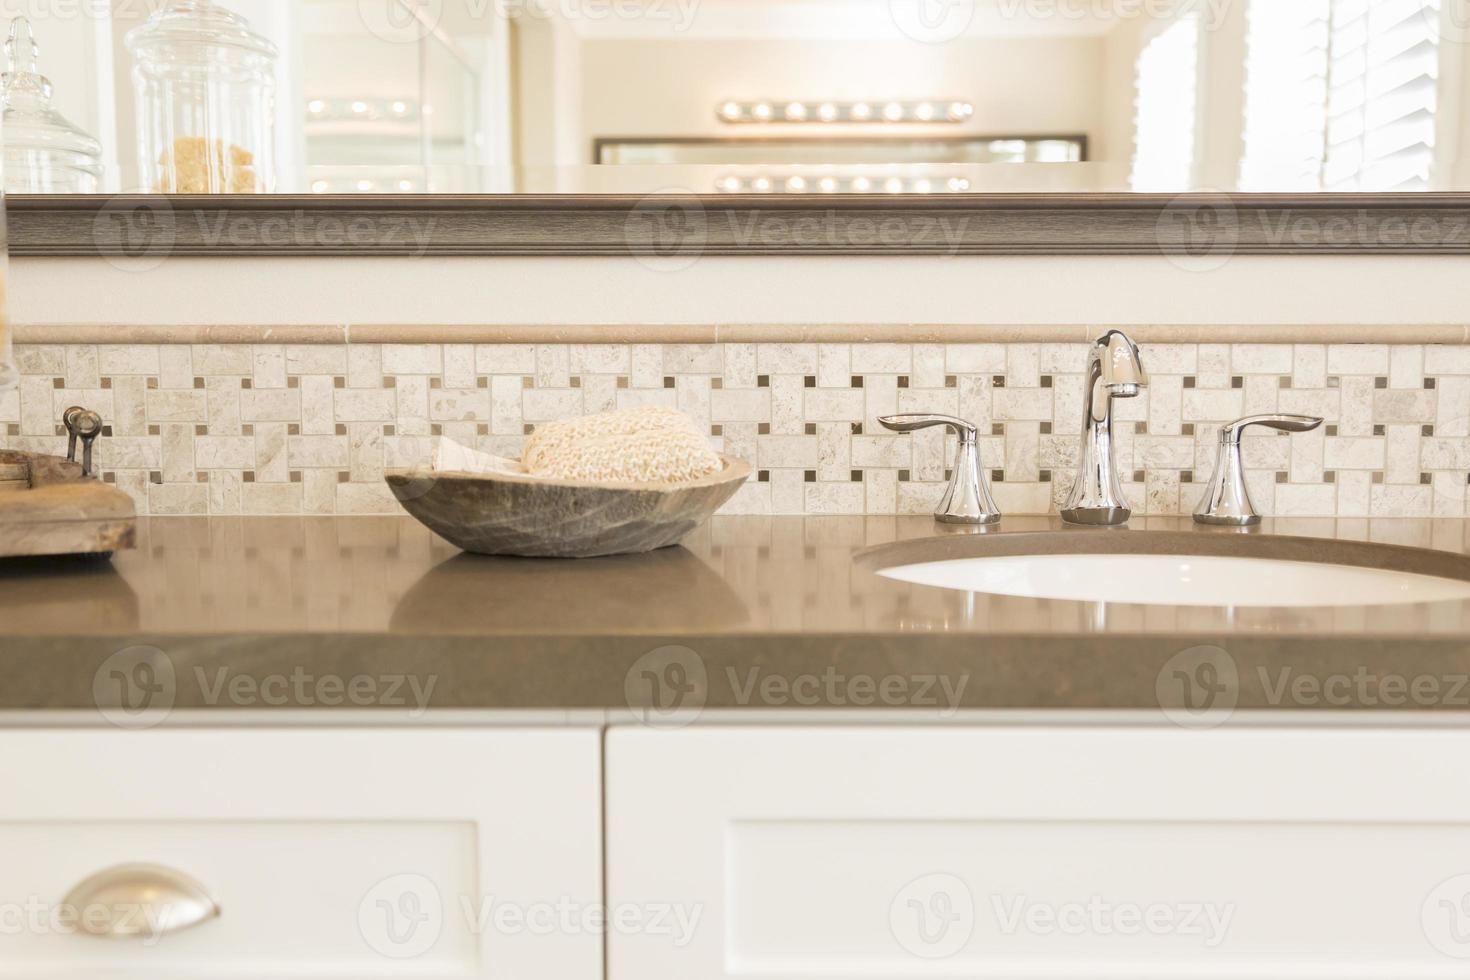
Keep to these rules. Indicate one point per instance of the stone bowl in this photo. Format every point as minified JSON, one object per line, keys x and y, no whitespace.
{"x":505,"y":514}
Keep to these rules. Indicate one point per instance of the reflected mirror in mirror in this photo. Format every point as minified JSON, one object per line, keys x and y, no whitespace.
{"x":735,"y":96}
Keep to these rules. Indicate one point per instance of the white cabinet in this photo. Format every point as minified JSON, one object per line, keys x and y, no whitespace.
{"x":884,"y":852}
{"x":333,"y":853}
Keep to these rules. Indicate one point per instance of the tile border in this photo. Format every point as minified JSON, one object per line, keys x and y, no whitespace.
{"x":783,"y":333}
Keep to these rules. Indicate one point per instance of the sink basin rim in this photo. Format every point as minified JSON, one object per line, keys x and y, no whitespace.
{"x":1448,"y":569}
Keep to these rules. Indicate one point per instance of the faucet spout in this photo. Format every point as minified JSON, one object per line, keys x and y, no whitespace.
{"x":1114,"y":370}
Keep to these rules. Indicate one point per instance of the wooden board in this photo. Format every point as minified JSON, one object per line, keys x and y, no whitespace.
{"x":53,"y":510}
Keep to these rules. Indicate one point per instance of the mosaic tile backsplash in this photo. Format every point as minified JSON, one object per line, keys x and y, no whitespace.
{"x":273,"y":429}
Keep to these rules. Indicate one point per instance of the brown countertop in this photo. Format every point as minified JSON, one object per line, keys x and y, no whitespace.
{"x":291,"y":613}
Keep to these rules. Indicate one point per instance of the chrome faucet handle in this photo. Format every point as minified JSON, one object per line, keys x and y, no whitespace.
{"x":968,"y":500}
{"x":1226,"y":500}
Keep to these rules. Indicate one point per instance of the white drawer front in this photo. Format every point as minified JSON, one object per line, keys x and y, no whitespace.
{"x":903,"y":853}
{"x":331,"y":853}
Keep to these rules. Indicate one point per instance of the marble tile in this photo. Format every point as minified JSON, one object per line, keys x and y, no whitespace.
{"x":308,"y":428}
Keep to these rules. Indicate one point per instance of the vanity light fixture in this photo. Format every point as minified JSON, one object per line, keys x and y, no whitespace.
{"x":896,"y":111}
{"x":320,"y":110}
{"x":831,"y":184}
{"x":363,"y":185}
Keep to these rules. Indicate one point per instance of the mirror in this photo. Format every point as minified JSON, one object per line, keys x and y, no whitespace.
{"x":917,"y":97}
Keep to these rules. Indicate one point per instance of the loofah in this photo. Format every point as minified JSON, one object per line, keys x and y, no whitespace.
{"x":640,"y":445}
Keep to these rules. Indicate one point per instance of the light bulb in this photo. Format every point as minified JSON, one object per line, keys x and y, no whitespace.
{"x":320,"y":186}
{"x":761,"y":184}
{"x":893,"y":185}
{"x":922,"y":186}
{"x":827,"y":184}
{"x":827,"y":112}
{"x":862,"y":110}
{"x":400,"y":108}
{"x":762,"y":110}
{"x":730,"y":184}
{"x":960,"y":110}
{"x":861,"y":184}
{"x":796,"y":112}
{"x":360,"y":107}
{"x":893,"y":112}
{"x":796,"y":183}
{"x":405,"y":185}
{"x":730,"y":110}
{"x":317,"y":107}
{"x":924,"y":111}
{"x":364,"y":185}
{"x":958,"y":184}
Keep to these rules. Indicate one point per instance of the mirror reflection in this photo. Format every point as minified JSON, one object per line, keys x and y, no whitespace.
{"x":734,"y":96}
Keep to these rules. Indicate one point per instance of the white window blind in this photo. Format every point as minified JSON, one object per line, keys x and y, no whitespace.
{"x":1166,"y":109}
{"x":1341,"y":95}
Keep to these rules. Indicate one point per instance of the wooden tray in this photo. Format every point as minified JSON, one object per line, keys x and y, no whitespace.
{"x":47,"y":507}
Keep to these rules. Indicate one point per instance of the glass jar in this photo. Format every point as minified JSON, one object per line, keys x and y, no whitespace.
{"x":206,"y":101}
{"x":44,"y":153}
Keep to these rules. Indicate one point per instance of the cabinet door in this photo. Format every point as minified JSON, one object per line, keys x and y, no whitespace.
{"x":331,"y":853}
{"x":1039,"y":852}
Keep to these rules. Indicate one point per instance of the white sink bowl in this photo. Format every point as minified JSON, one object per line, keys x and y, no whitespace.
{"x":1181,"y":580}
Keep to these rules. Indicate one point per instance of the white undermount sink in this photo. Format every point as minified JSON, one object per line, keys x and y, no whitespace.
{"x":1181,"y":580}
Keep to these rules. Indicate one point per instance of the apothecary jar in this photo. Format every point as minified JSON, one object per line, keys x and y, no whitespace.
{"x":206,"y":101}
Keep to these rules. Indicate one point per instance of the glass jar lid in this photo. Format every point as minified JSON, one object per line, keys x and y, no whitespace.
{"x":30,"y":121}
{"x":201,"y":24}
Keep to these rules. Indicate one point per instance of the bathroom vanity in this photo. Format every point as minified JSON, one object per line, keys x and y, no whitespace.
{"x":379,"y":757}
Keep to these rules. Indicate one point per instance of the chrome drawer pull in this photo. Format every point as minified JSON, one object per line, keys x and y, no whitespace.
{"x":139,"y":901}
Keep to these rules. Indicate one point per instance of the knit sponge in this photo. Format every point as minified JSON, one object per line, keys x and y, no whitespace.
{"x":638,"y":445}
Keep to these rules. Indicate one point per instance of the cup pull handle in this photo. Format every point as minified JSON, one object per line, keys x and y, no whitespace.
{"x":144,"y":901}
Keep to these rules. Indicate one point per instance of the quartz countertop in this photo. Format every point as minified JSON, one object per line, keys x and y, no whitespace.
{"x":750,"y":612}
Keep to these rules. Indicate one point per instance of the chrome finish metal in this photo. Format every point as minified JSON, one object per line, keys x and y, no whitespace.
{"x":1114,"y":370}
{"x":86,"y":426}
{"x":140,"y":901}
{"x":69,"y":419}
{"x":968,"y":500}
{"x":1226,"y":500}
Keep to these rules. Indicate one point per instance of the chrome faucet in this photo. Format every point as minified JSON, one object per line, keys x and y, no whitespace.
{"x":968,"y":500}
{"x":1226,"y":500}
{"x":1114,"y":370}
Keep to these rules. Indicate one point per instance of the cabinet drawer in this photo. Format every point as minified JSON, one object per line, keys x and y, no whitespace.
{"x":1056,"y":853}
{"x":330,"y":852}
